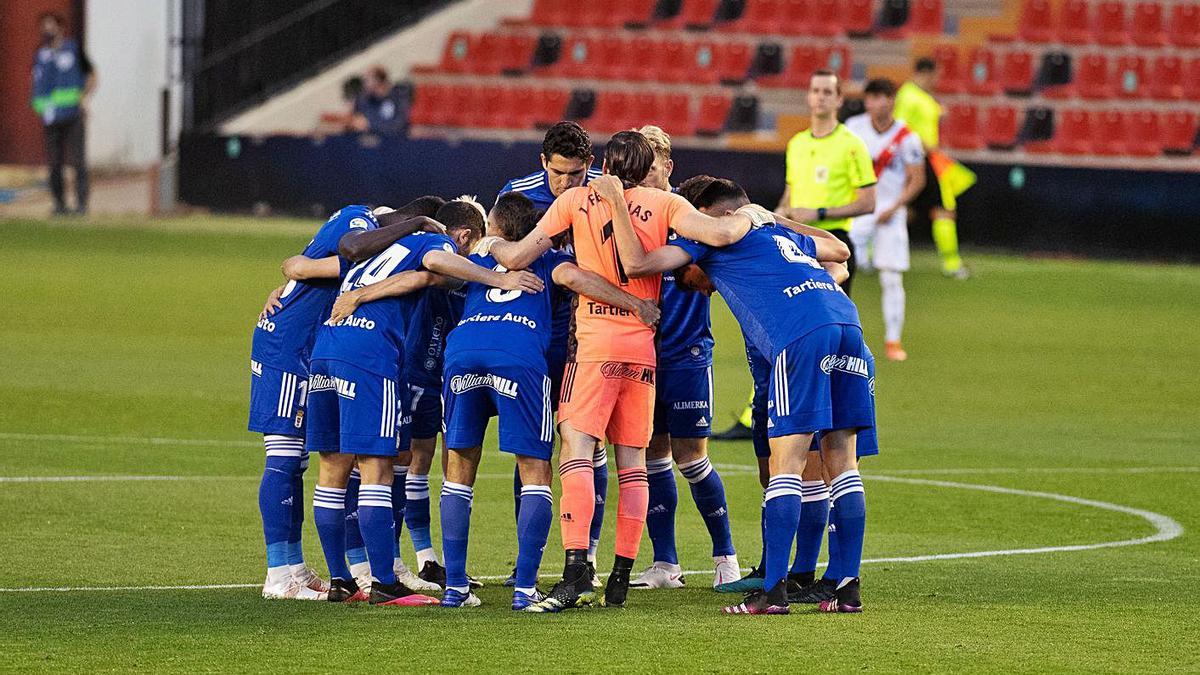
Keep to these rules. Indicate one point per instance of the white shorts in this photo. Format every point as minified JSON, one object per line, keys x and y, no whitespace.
{"x":886,"y":243}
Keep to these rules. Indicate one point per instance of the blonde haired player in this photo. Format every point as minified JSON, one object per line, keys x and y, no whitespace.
{"x":881,"y":238}
{"x":683,"y":409}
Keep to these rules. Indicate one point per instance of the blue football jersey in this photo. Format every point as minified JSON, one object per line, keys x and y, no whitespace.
{"x":512,"y":324}
{"x":685,"y":330}
{"x":285,"y":339}
{"x":774,"y":285}
{"x":536,"y":187}
{"x":372,"y":338}
{"x":436,"y":312}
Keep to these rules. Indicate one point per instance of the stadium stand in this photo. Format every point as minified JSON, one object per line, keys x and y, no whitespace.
{"x":1066,"y":78}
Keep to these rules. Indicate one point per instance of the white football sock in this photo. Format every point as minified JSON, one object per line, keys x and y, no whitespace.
{"x":892,"y":284}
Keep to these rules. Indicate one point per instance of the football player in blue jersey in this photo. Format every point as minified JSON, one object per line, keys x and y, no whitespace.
{"x":822,"y":378}
{"x":437,"y":311}
{"x":355,"y":407}
{"x":496,"y":364}
{"x":566,"y":163}
{"x":682,"y":415}
{"x":279,"y":364}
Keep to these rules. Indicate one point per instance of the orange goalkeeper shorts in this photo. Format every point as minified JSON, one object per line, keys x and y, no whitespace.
{"x":609,"y":400}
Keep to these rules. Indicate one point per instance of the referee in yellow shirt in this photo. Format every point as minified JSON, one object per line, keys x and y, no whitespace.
{"x":830,"y":177}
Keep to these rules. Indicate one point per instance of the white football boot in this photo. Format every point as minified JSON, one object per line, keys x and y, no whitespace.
{"x":659,"y":575}
{"x":727,"y":569}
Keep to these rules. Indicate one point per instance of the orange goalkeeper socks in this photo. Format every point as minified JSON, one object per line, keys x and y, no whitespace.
{"x":578,"y":502}
{"x":632,"y":501}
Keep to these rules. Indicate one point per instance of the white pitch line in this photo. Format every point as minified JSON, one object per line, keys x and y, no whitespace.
{"x":1166,"y":528}
{"x":131,"y":440}
{"x":105,"y":479}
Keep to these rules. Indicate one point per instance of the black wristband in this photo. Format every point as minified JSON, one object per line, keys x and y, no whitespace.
{"x":821,"y":213}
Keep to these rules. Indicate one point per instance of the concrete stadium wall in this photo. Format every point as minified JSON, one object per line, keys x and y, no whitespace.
{"x":128,"y":42}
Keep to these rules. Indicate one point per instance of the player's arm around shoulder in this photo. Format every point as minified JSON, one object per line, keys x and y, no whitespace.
{"x":517,"y":255}
{"x":451,"y":264}
{"x":358,"y":245}
{"x":393,"y":287}
{"x":636,"y":261}
{"x":718,"y":232}
{"x":304,"y":268}
{"x":594,"y":286}
{"x":829,"y":248}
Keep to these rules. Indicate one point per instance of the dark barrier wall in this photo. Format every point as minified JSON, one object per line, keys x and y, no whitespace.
{"x":1085,"y":211}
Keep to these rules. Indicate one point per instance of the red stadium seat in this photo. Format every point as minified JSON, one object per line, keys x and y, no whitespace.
{"x":551,"y":12}
{"x":646,"y":109}
{"x":1166,"y":82}
{"x":1191,"y":82}
{"x":613,"y":111}
{"x":960,"y":129}
{"x":613,"y":57}
{"x":1130,"y":77}
{"x":733,"y":61}
{"x":1074,"y":25}
{"x":1074,"y":133}
{"x":675,"y":116}
{"x":1000,"y":128}
{"x":796,"y":17}
{"x":521,"y":114}
{"x":487,"y":108}
{"x":1142,"y":134}
{"x":702,"y":63}
{"x":549,"y":106}
{"x":635,"y":12}
{"x":1109,"y":129}
{"x":640,"y":62}
{"x":760,"y":16}
{"x":1016,"y":74}
{"x":673,"y":61}
{"x":695,"y":14}
{"x":826,"y":18}
{"x":485,"y":55}
{"x":1183,"y":30}
{"x":1110,"y":23}
{"x":925,"y":17}
{"x":458,"y":105}
{"x":458,"y":51}
{"x":858,"y":17}
{"x":429,"y":104}
{"x":714,"y":108}
{"x":951,"y":79}
{"x":1179,"y":132}
{"x":1092,"y":79}
{"x":981,"y":73}
{"x":1035,"y":24}
{"x":802,"y":60}
{"x":578,"y":58}
{"x":516,"y":53}
{"x":1147,"y":28}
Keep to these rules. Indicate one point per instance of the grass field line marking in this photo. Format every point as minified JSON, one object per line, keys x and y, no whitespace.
{"x":106,"y":479}
{"x":1166,"y":528}
{"x":744,"y":469}
{"x":133,"y":440}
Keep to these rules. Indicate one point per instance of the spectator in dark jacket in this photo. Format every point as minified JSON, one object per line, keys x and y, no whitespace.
{"x":382,"y":107}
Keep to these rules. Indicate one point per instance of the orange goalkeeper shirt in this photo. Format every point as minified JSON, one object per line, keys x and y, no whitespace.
{"x":603,"y":332}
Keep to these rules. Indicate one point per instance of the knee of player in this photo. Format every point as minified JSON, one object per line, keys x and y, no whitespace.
{"x":687,"y":450}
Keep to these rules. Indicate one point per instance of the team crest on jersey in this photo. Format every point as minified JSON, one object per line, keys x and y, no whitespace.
{"x":615,"y":370}
{"x":359,"y":224}
{"x":299,"y":421}
{"x":852,"y":365}
{"x":503,"y":386}
{"x":821,"y":174}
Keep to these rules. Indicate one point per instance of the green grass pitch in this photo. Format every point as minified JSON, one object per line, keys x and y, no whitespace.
{"x":125,"y":349}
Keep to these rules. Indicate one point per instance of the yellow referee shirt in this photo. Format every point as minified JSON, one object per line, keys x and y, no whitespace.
{"x":920,"y":111}
{"x":825,"y":172}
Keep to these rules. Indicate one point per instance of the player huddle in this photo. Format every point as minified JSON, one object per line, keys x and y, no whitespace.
{"x":576,"y":307}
